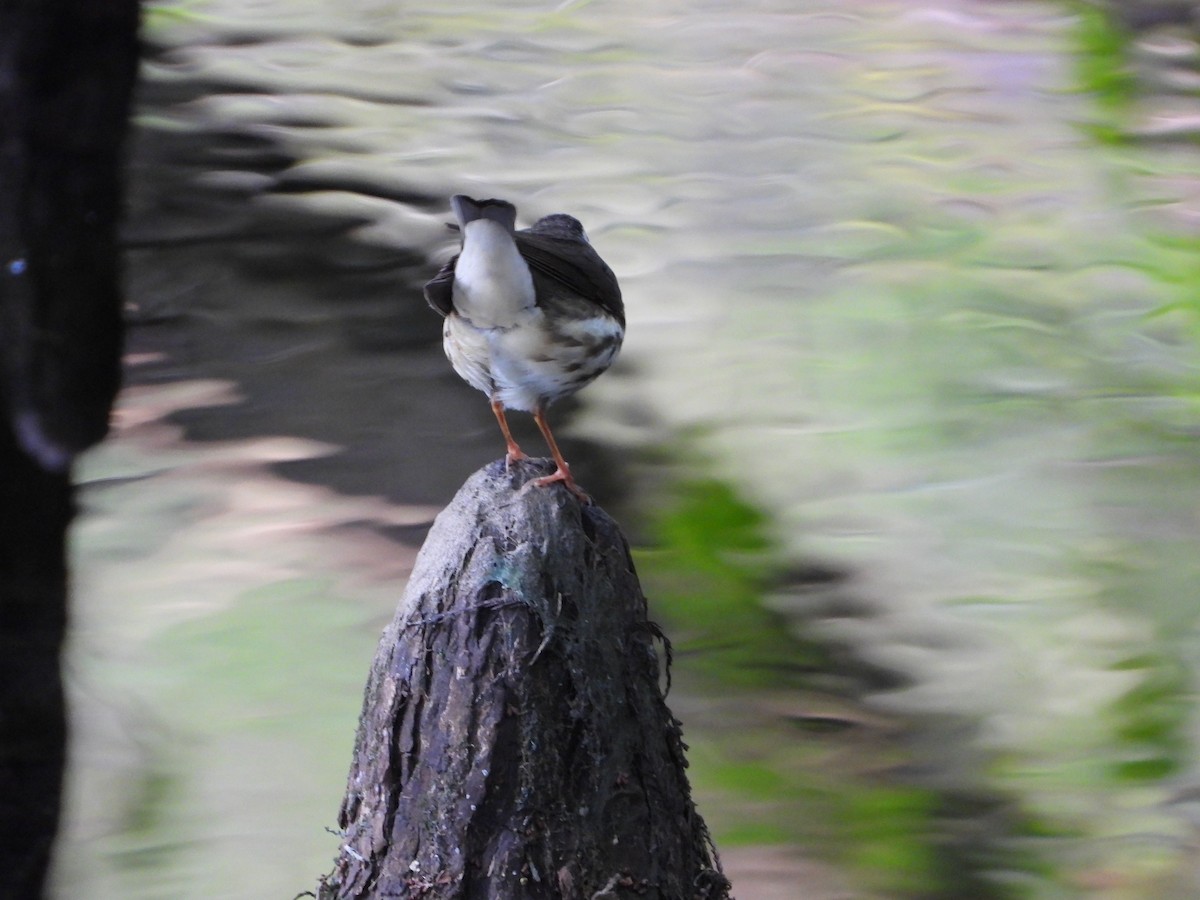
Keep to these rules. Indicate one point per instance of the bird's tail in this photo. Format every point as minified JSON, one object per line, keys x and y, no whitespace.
{"x":500,"y":211}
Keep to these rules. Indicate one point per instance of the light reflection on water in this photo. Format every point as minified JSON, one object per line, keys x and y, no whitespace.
{"x":874,"y":270}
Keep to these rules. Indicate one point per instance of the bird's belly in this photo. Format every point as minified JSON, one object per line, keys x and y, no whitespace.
{"x":535,"y":362}
{"x":467,"y":349}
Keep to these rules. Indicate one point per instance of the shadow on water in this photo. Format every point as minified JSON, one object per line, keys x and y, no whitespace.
{"x":930,"y":589}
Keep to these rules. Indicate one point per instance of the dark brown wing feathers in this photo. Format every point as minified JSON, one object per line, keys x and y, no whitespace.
{"x":576,"y":266}
{"x":573,"y":264}
{"x":439,"y":291}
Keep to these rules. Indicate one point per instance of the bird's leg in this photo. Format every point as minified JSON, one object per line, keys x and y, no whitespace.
{"x":563,"y":472}
{"x":513,"y":452}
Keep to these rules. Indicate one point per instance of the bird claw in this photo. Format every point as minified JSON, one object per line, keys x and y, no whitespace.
{"x":514,"y":454}
{"x":563,"y":475}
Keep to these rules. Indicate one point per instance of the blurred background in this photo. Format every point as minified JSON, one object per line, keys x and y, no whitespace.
{"x":904,"y":431}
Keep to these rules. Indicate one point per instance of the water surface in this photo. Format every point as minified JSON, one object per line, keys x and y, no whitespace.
{"x":902,"y":371}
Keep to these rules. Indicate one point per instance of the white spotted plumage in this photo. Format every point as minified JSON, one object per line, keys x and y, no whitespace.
{"x":523,"y":365}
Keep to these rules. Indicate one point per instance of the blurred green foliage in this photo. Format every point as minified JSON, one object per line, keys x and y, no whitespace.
{"x":1175,"y":262}
{"x":889,"y":831}
{"x":709,"y":571}
{"x":158,"y":17}
{"x":1103,"y":69}
{"x":1150,"y":719}
{"x":711,"y":564}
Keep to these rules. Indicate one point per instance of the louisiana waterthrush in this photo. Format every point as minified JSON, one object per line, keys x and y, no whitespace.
{"x":531,"y":316}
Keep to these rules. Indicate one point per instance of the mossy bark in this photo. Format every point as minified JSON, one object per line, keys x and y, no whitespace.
{"x":514,"y":741}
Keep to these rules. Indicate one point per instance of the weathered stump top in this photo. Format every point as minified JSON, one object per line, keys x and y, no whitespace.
{"x":514,"y":741}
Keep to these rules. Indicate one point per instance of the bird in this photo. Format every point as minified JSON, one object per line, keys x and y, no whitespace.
{"x":530,"y":316}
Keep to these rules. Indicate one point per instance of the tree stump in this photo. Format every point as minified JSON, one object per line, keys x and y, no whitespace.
{"x":514,"y":741}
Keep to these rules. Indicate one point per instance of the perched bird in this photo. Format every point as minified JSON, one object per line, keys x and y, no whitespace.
{"x":531,"y":316}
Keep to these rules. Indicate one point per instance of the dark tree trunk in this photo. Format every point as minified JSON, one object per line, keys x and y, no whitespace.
{"x":66,"y":75}
{"x":514,"y":742}
{"x":35,"y":507}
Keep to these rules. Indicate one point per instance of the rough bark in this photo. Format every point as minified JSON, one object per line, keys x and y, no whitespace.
{"x":514,"y":741}
{"x":66,"y":76}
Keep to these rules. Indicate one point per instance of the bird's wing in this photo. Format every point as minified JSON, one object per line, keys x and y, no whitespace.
{"x":574,"y":265}
{"x":439,"y":292}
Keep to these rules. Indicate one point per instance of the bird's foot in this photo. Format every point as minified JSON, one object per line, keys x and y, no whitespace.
{"x":514,"y":454}
{"x":563,"y":474}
